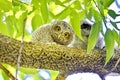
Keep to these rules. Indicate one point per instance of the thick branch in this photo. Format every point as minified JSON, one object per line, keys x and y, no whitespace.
{"x":55,"y":57}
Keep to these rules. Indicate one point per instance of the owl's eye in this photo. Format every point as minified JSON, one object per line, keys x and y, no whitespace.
{"x":57,"y":28}
{"x":67,"y":34}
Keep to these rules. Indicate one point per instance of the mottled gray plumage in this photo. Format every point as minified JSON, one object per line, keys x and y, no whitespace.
{"x":58,"y":32}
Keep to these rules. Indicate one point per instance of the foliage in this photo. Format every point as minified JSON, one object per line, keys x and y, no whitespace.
{"x":14,"y":14}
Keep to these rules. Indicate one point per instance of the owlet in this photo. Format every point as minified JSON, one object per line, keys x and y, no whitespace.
{"x":58,"y":32}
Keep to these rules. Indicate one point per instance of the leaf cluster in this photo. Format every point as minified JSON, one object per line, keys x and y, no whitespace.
{"x":14,"y":14}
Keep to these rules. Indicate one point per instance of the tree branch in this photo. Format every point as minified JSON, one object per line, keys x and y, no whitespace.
{"x":55,"y":57}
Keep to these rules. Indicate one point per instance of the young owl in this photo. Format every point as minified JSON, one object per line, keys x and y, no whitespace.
{"x":85,"y":31}
{"x":58,"y":32}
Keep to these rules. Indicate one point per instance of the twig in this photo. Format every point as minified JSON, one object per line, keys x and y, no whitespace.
{"x":117,"y":22}
{"x":116,"y":64}
{"x":118,"y":61}
{"x":20,"y":50}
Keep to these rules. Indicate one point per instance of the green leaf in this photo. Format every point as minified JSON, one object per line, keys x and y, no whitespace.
{"x":86,"y":2}
{"x":63,"y":14}
{"x":76,"y":5}
{"x":118,"y":41}
{"x":114,"y":25}
{"x":21,"y":75}
{"x":107,"y":3}
{"x":16,"y":9}
{"x":52,"y":16}
{"x":3,"y":27}
{"x":75,"y":22}
{"x":58,"y":2}
{"x":100,"y":6}
{"x":4,"y":75}
{"x":20,"y":4}
{"x":5,"y":5}
{"x":93,"y":37}
{"x":54,"y":74}
{"x":44,"y":10}
{"x":36,"y":77}
{"x":10,"y":25}
{"x":66,"y":1}
{"x":20,"y":23}
{"x":29,"y":70}
{"x":109,"y":43}
{"x":1,"y":77}
{"x":36,"y":21}
{"x":89,"y":14}
{"x":116,"y":36}
{"x":112,"y":14}
{"x":96,"y":14}
{"x":36,"y":4}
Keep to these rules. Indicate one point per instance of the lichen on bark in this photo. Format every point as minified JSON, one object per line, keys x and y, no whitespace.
{"x":67,"y":60}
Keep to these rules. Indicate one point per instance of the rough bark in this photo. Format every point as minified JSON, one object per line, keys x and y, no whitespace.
{"x":55,"y":57}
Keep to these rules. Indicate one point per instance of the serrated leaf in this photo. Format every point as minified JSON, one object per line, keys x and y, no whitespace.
{"x":36,"y":21}
{"x":112,"y":13}
{"x":107,"y":3}
{"x":109,"y":44}
{"x":93,"y":37}
{"x":75,"y":22}
{"x":63,"y":14}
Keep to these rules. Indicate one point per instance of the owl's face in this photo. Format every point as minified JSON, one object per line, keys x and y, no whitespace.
{"x":61,"y":32}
